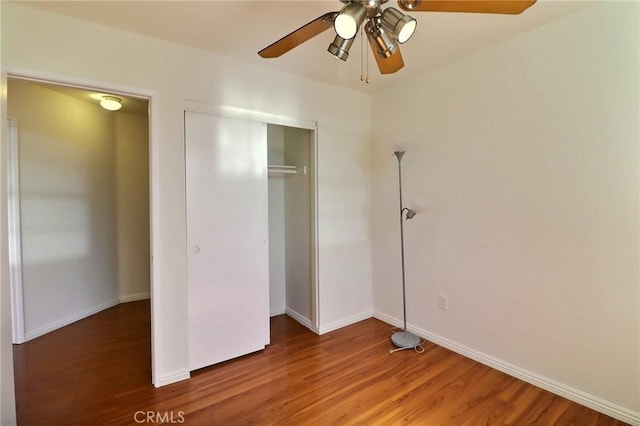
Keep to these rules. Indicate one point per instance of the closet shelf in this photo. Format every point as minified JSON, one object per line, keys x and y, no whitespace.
{"x":287,"y":170}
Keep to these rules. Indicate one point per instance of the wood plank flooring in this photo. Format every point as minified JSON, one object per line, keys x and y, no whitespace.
{"x":97,"y":372}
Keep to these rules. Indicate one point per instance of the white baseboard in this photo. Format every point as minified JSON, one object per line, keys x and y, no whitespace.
{"x":277,"y":311}
{"x":573,"y":394}
{"x":344,"y":322}
{"x":134,"y":297}
{"x":69,"y":320}
{"x":301,"y":319}
{"x":176,"y":376}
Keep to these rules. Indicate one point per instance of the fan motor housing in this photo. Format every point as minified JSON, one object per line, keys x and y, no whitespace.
{"x":371,"y":7}
{"x":409,"y":4}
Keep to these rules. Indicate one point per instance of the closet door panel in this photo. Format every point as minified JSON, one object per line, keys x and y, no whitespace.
{"x":227,"y":234}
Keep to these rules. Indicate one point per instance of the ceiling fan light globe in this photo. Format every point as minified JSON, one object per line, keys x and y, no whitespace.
{"x":349,"y":20}
{"x":407,"y":30}
{"x":345,"y":26}
{"x":400,"y":25}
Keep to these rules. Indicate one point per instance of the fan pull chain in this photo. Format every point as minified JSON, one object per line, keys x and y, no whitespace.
{"x":367,"y":65}
{"x":364,"y":76}
{"x":361,"y":56}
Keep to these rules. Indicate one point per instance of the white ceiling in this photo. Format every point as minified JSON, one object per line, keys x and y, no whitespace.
{"x":239,"y":29}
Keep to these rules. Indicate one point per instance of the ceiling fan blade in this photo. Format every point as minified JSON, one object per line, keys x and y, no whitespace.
{"x":509,"y":7}
{"x":299,"y":36}
{"x":387,"y":65}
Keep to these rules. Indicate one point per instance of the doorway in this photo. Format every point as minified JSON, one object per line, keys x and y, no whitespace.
{"x":80,"y":195}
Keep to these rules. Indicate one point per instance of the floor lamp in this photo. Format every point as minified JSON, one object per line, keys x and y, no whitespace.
{"x":403,"y":339}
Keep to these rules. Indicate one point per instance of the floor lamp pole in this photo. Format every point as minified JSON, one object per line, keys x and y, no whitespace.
{"x":403,"y":339}
{"x":399,"y":154}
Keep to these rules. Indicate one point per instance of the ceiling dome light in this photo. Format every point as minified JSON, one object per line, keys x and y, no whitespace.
{"x":111,"y":103}
{"x":400,"y":25}
{"x":349,"y":20}
{"x":340,"y":47}
{"x":385,"y":44}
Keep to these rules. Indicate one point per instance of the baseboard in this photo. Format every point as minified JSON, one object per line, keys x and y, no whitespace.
{"x":344,"y":322}
{"x":69,"y":320}
{"x":573,"y":394}
{"x":301,"y":319}
{"x":176,"y":376}
{"x":134,"y":297}
{"x":277,"y":311}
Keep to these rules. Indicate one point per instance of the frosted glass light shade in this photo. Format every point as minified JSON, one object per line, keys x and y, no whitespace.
{"x":406,"y":31}
{"x":111,"y":103}
{"x":400,"y":25}
{"x":349,"y":20}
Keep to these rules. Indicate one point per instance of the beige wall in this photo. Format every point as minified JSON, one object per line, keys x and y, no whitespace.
{"x":67,"y":205}
{"x":522,"y":163}
{"x":132,"y":205}
{"x":84,"y":206}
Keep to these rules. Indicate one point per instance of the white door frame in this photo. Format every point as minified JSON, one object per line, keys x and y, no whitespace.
{"x":154,"y":177}
{"x":13,"y":235}
{"x":245,"y":114}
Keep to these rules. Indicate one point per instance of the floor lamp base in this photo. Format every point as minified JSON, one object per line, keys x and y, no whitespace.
{"x":404,"y":339}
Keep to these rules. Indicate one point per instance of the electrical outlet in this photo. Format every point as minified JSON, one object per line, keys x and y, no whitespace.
{"x":443,"y":303}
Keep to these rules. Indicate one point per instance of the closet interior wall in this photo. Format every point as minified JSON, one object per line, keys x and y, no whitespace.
{"x":290,"y":224}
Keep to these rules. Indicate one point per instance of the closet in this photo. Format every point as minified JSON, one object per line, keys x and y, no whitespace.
{"x":250,"y":227}
{"x":290,"y":222}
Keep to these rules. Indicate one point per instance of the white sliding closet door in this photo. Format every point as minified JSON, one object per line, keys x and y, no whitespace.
{"x":227,"y":232}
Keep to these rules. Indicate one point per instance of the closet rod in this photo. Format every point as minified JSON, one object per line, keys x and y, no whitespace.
{"x":302,"y":170}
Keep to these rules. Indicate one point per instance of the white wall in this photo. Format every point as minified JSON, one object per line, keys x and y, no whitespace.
{"x":7,"y":391}
{"x":47,"y":43}
{"x":522,"y":164}
{"x":277,"y":257}
{"x":67,"y":203}
{"x":132,"y":205}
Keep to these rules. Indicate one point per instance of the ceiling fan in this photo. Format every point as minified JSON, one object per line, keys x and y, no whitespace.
{"x":385,"y":28}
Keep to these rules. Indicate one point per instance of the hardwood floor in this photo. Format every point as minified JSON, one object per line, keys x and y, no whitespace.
{"x":97,"y":372}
